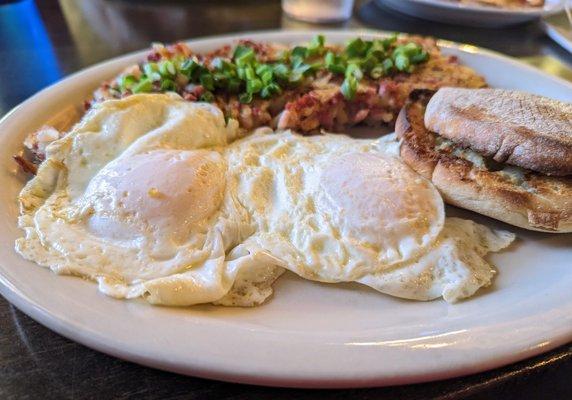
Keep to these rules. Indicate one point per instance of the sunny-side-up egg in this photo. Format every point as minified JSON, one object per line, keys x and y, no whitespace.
{"x":136,"y":197}
{"x":337,"y":209}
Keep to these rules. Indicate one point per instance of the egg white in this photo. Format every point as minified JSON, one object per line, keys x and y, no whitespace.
{"x":453,"y":267}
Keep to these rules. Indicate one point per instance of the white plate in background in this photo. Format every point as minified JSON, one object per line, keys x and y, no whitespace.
{"x":453,"y":12}
{"x":559,"y":29}
{"x":308,"y":334}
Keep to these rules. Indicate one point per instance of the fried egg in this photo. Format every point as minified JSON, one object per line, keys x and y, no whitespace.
{"x":337,"y":209}
{"x":136,"y":197}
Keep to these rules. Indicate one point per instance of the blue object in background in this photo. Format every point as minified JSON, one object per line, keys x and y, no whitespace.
{"x":21,"y":27}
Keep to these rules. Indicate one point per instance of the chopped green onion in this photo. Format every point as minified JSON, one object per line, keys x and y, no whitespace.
{"x":265,"y":93}
{"x":337,"y":68}
{"x":223,"y":65}
{"x":126,"y":82}
{"x":409,"y":49}
{"x":316,"y":46}
{"x":356,"y":48}
{"x":245,"y":98}
{"x":262,"y":69}
{"x":149,"y":68}
{"x":267,"y":77}
{"x":402,"y":62}
{"x":355,"y":71}
{"x":220,"y":80}
{"x":168,"y":85}
{"x":283,"y":56}
{"x":387,"y":42}
{"x":249,"y":73}
{"x":299,"y":52}
{"x":243,"y":55}
{"x":281,"y":71}
{"x":167,"y":68}
{"x":302,"y":69}
{"x":329,"y":58}
{"x":317,"y":41}
{"x":420,"y":57}
{"x":387,"y":65}
{"x":295,"y":77}
{"x":207,"y":96}
{"x":333,"y":63}
{"x":234,"y":85}
{"x":318,"y":65}
{"x":349,"y":87}
{"x":368,"y":62}
{"x":242,"y":51}
{"x":151,"y":72}
{"x":144,"y":86}
{"x":241,"y":73}
{"x":377,"y":49}
{"x":253,"y":86}
{"x":207,"y":81}
{"x":270,"y":90}
{"x":377,"y":72}
{"x":350,"y":84}
{"x":217,"y":63}
{"x":189,"y":67}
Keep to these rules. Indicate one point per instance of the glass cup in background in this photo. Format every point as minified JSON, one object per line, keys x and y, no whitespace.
{"x":319,"y":11}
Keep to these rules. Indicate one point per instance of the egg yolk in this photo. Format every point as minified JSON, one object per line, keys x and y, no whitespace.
{"x":380,"y":202}
{"x":165,"y":193}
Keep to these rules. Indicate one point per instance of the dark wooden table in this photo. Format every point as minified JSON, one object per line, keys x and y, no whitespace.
{"x":42,"y":41}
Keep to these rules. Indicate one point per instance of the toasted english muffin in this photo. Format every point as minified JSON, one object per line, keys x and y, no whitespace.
{"x":517,"y":128}
{"x":467,"y":179}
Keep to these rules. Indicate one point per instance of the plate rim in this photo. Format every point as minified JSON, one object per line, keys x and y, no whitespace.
{"x":58,"y":324}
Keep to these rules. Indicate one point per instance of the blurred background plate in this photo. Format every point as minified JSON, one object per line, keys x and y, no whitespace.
{"x":470,"y":15}
{"x":558,"y":27}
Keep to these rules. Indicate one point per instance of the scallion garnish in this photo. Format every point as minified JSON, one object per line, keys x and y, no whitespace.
{"x":168,"y":85}
{"x":126,"y":83}
{"x":244,"y":75}
{"x":207,"y":96}
{"x":245,"y":98}
{"x":143,"y":86}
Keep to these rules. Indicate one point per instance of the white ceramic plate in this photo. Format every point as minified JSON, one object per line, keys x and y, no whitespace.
{"x":471,"y":15}
{"x":309,"y":334}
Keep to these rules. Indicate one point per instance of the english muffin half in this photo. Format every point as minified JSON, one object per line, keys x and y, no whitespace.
{"x":469,"y":177}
